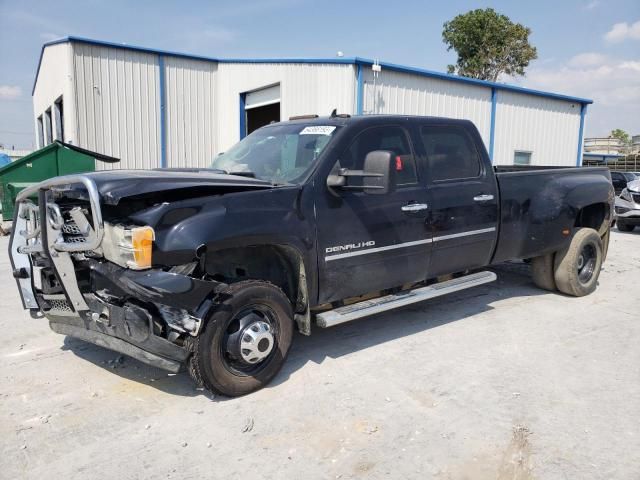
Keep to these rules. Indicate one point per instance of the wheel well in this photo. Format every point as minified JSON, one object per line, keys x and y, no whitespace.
{"x":593,"y":216}
{"x":278,"y":264}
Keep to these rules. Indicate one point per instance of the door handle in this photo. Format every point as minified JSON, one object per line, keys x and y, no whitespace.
{"x":415,"y":207}
{"x":482,"y":198}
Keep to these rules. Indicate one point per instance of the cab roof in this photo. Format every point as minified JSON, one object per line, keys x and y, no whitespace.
{"x":342,"y":120}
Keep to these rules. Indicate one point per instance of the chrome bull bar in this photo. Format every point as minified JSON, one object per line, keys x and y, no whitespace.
{"x":54,"y":219}
{"x":34,"y":223}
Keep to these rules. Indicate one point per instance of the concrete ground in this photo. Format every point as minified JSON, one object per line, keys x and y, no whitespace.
{"x":504,"y":381}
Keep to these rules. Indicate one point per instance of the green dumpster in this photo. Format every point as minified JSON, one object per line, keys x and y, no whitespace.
{"x":51,"y":161}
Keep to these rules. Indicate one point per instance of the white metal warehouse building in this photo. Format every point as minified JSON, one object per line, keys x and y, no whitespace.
{"x":153,"y":108}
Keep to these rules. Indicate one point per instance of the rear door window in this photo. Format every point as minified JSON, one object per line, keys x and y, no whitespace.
{"x":451,"y":153}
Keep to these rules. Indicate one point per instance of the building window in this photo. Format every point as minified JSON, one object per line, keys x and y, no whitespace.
{"x":47,"y":127}
{"x":40,"y":132}
{"x":58,"y":110}
{"x":521,"y":158}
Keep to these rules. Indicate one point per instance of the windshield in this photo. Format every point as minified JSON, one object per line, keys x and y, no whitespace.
{"x":279,"y":153}
{"x":629,"y":176}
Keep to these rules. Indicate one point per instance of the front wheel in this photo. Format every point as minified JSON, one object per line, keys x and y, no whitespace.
{"x":577,"y":267}
{"x":245,"y":341}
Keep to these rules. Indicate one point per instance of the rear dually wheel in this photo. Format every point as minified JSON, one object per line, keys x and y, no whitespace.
{"x":577,"y":267}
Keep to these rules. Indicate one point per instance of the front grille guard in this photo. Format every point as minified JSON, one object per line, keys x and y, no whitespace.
{"x":93,"y":232}
{"x":39,"y":228}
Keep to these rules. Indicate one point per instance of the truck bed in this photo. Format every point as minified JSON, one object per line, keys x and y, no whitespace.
{"x":537,"y":203}
{"x":528,"y":168}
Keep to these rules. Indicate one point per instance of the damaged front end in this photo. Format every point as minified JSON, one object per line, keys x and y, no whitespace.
{"x":92,"y":284}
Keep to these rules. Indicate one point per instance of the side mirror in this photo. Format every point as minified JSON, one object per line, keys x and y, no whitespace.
{"x":380,"y":170}
{"x":378,"y":176}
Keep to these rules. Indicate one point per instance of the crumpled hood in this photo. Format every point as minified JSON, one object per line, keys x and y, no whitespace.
{"x":114,"y":185}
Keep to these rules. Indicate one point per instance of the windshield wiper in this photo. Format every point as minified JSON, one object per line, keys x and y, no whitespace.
{"x":243,"y":174}
{"x":249,"y":174}
{"x":239,"y":174}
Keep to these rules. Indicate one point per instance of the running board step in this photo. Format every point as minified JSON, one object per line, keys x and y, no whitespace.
{"x":390,"y":302}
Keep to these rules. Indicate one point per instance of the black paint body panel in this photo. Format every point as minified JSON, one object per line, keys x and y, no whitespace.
{"x":524,"y":218}
{"x":537,"y":205}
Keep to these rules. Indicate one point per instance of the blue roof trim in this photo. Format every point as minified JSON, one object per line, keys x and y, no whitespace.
{"x":341,"y":60}
{"x":155,"y":51}
{"x":48,"y":44}
{"x":338,"y":60}
{"x":474,"y":81}
{"x":101,"y":43}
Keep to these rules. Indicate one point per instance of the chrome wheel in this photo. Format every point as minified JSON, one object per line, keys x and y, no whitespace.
{"x":249,"y":340}
{"x":256,"y":342}
{"x":586,"y":263}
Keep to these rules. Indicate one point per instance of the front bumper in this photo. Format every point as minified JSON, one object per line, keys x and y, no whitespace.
{"x":74,"y":326}
{"x":629,"y":211}
{"x":144,"y":314}
{"x":149,"y":314}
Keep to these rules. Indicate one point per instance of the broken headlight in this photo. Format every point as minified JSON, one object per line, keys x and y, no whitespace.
{"x":625,"y":195}
{"x":129,"y":247}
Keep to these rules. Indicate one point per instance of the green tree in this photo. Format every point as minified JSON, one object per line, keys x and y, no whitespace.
{"x":621,"y":135}
{"x":488,"y":44}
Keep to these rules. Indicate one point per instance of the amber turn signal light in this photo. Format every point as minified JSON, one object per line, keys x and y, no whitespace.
{"x":142,"y":242}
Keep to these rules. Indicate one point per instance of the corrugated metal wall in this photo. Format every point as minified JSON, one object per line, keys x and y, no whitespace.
{"x":55,"y":81}
{"x":190,"y":126}
{"x":118,"y":96}
{"x":304,"y":89}
{"x":410,"y":94}
{"x":545,"y":127}
{"x":118,"y":106}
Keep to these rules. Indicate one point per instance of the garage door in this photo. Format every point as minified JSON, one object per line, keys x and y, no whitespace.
{"x":261,"y":107}
{"x":262,"y":97}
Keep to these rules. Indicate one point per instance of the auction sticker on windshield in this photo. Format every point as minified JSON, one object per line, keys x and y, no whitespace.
{"x":317,"y":130}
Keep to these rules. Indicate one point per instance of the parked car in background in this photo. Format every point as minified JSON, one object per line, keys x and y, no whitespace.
{"x":620,"y":180}
{"x":628,"y":207}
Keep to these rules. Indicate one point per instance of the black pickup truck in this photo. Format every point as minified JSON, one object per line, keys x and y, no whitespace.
{"x":311,"y":221}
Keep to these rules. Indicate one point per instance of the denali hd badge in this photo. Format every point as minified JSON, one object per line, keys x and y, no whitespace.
{"x":350,"y":246}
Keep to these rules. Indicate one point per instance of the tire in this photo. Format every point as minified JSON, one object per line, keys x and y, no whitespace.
{"x":248,"y":305}
{"x":577,"y":267}
{"x":543,"y":272}
{"x":624,"y":227}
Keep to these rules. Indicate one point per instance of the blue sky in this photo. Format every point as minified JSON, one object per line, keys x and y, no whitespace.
{"x":587,"y":48}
